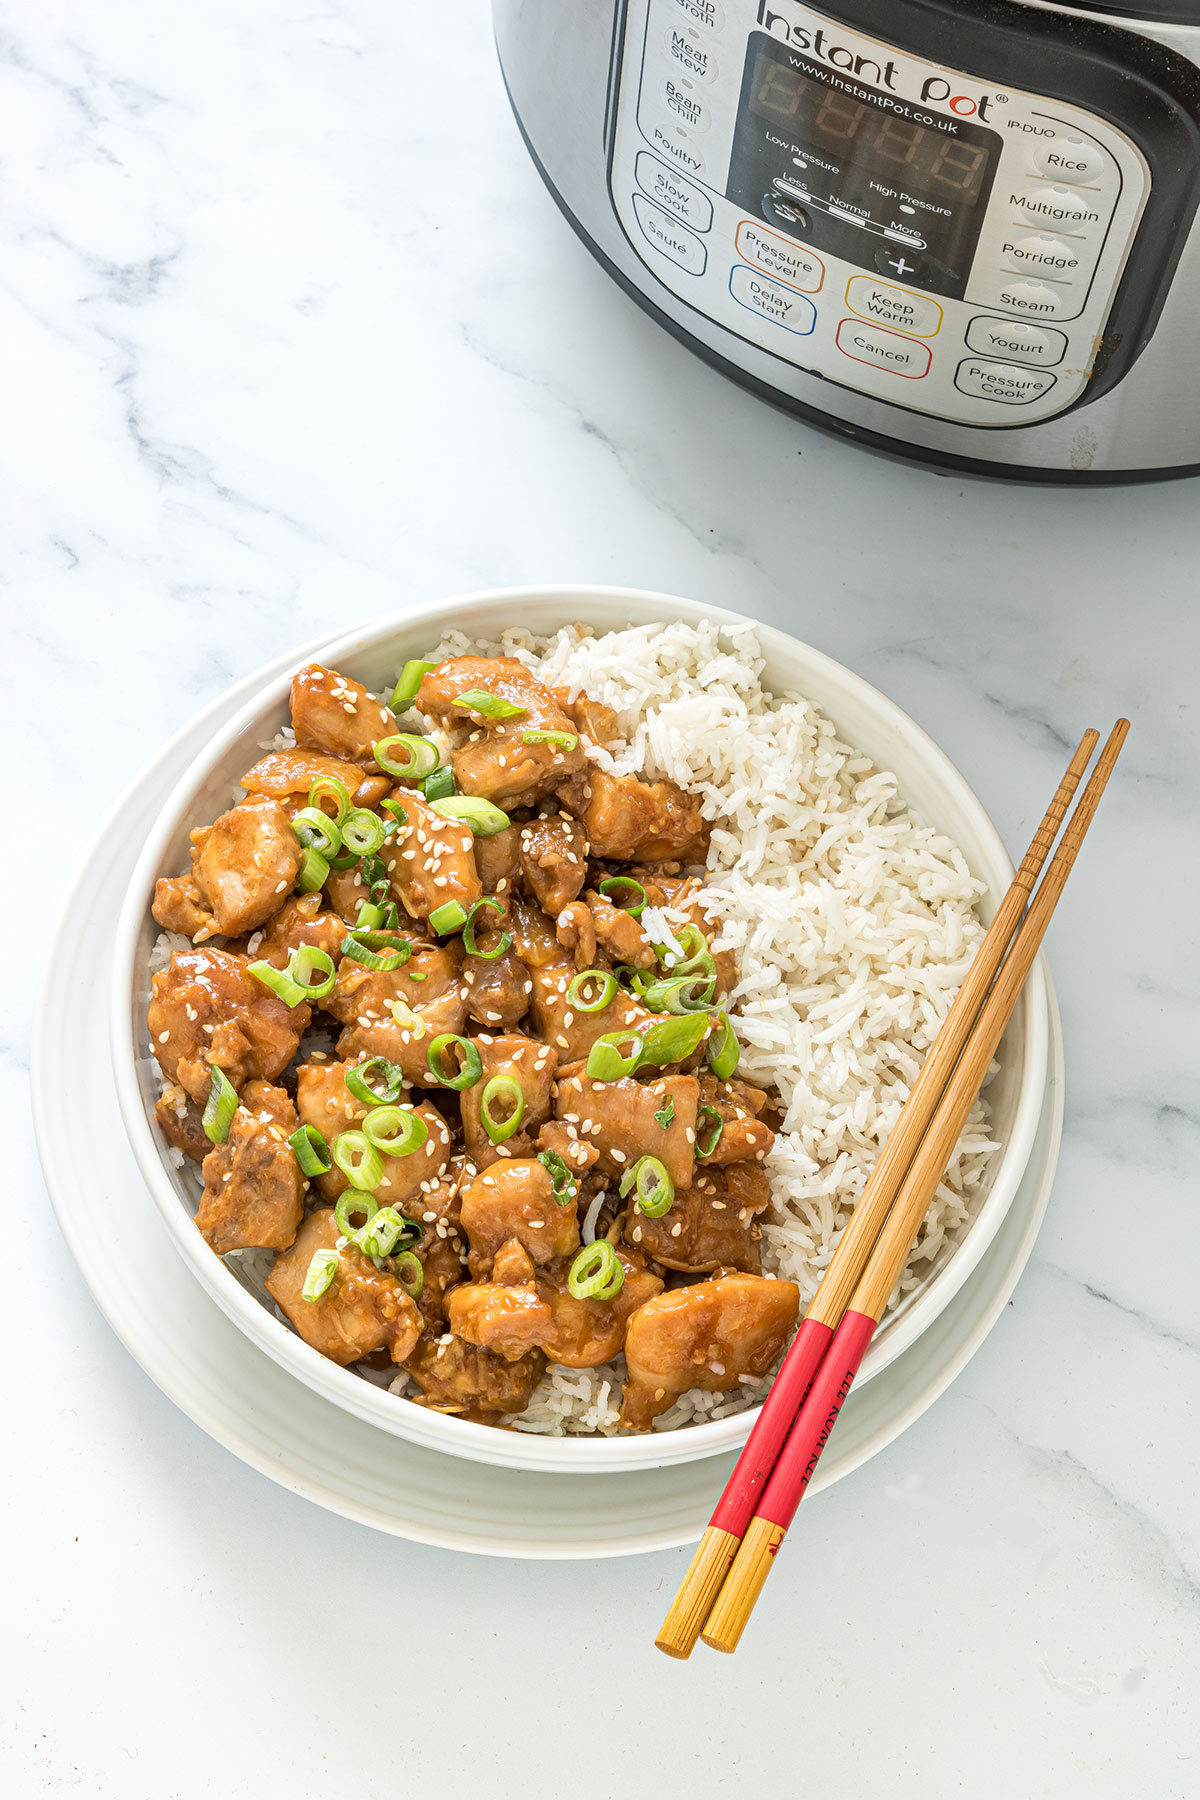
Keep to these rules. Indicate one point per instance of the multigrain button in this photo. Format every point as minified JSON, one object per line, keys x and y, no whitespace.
{"x":783,"y":305}
{"x":1003,"y":382}
{"x":799,"y":268}
{"x":884,"y":349}
{"x":669,"y":236}
{"x":672,"y":192}
{"x":1070,"y":158}
{"x":1041,"y":253}
{"x":1019,"y":342}
{"x":1049,"y":203}
{"x":887,"y":305}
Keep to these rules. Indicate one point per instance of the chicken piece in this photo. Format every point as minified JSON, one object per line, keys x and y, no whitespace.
{"x":618,"y":935}
{"x":179,"y":906}
{"x":335,"y":714}
{"x":508,"y":1321}
{"x":498,"y":859}
{"x":711,"y":1225}
{"x":682,"y":895}
{"x":533,"y":935}
{"x":182,"y":1122}
{"x":495,"y":760}
{"x":253,"y":1189}
{"x":345,"y":891}
{"x":364,"y":996}
{"x":498,"y":990}
{"x":284,"y":774}
{"x":299,"y":921}
{"x":571,"y":1031}
{"x":595,"y":720}
{"x":532,"y":1065}
{"x":705,"y":1336}
{"x":512,"y":1265}
{"x":442,"y":1269}
{"x":516,"y":1200}
{"x":744,"y":1137}
{"x":579,"y":1334}
{"x":244,"y":863}
{"x":324,"y":1101}
{"x":575,"y":930}
{"x":628,"y":1119}
{"x":431,"y":860}
{"x":579,"y":1154}
{"x":626,"y":818}
{"x":456,"y":1377}
{"x":206,"y":1009}
{"x":553,"y":854}
{"x":363,"y":1310}
{"x":405,"y":1039}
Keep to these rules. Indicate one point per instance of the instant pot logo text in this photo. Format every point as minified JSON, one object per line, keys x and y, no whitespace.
{"x":935,"y":89}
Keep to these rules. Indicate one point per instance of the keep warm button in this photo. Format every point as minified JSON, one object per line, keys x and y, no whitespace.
{"x":893,"y":306}
{"x":1003,"y":382}
{"x":884,"y":349}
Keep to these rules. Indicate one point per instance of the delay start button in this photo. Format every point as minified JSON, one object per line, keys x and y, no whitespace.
{"x":885,"y":350}
{"x":1005,"y":383}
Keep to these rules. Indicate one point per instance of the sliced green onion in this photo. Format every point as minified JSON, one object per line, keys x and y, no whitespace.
{"x":450,"y":917}
{"x":606,"y":1062}
{"x":353,"y":1201}
{"x":358,"y":1159}
{"x":635,"y":979}
{"x":562,"y":1182}
{"x":666,"y":1112}
{"x":279,"y":982}
{"x":398,"y":812}
{"x":655,"y":1189}
{"x":394,"y":1130}
{"x":343,"y":861}
{"x":405,"y":1017}
{"x":489,"y":706}
{"x":468,"y":1071}
{"x":362,"y":831}
{"x":596,"y":1273}
{"x":567,"y":739}
{"x":722,"y":1051}
{"x":674,"y":1039}
{"x":321,"y":1271}
{"x":384,"y":1231}
{"x":622,"y":883}
{"x":385,"y":950}
{"x":306,"y":961}
{"x":707,"y":1144}
{"x":314,"y":872}
{"x":317,"y":831}
{"x":469,"y":944}
{"x":370,"y":917}
{"x":409,"y":1273}
{"x":409,"y":685}
{"x":696,"y":953}
{"x":483,"y":818}
{"x":508,"y":1088}
{"x":681,"y":994}
{"x":220,"y":1106}
{"x":439,"y":785}
{"x":374,"y":872}
{"x":311,"y":1151}
{"x":419,"y":753}
{"x":607,"y":987}
{"x":336,"y":791}
{"x":393,"y":1081}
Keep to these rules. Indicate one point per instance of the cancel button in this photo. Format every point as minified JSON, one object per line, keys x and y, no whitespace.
{"x":1003,"y":382}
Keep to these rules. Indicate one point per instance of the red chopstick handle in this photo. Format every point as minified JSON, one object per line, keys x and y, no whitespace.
{"x":802,"y":1451}
{"x":739,"y":1503}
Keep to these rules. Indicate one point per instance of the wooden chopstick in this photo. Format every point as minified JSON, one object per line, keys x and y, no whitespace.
{"x":734,"y":1510}
{"x":793,"y":1471}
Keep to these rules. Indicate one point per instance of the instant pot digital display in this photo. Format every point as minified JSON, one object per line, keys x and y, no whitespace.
{"x":858,"y":171}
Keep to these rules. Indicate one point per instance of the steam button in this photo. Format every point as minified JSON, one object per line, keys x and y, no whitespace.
{"x":1071,"y":157}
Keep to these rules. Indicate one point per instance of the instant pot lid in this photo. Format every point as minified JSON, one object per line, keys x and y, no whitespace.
{"x":1153,"y":12}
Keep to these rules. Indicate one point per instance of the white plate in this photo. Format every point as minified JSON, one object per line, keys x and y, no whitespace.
{"x":247,"y":1402}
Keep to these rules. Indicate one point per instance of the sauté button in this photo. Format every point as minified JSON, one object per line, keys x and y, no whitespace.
{"x":799,"y":268}
{"x":1003,"y":382}
{"x":888,"y":305}
{"x":669,"y":236}
{"x":884,"y":349}
{"x":783,"y":305}
{"x":672,"y":192}
{"x":1041,"y":253}
{"x":1070,"y":158}
{"x":1019,"y":342}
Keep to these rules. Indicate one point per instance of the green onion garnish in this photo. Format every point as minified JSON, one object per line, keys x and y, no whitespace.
{"x":314,"y":872}
{"x":489,"y":706}
{"x":409,"y":685}
{"x":399,"y":815}
{"x":681,"y":994}
{"x":509,"y":1089}
{"x":450,"y":917}
{"x":707,"y":1144}
{"x":469,"y":944}
{"x":696,"y":954}
{"x":220,"y":1106}
{"x":674,"y":1039}
{"x":329,"y":785}
{"x":567,"y":739}
{"x":370,"y":917}
{"x":311,"y":1151}
{"x":618,"y":884}
{"x":321,"y":1271}
{"x":293,"y":985}
{"x":382,"y":1232}
{"x":606,"y":988}
{"x":358,"y":1159}
{"x":362,"y":831}
{"x":562,"y":1182}
{"x":722,"y":1050}
{"x":279,"y":982}
{"x":655,"y":1189}
{"x":420,"y":755}
{"x":384,"y":950}
{"x":666,"y":1112}
{"x":466,"y":1074}
{"x":394,"y":1130}
{"x":596,"y":1273}
{"x":483,"y":818}
{"x":317,"y":831}
{"x":439,"y":785}
{"x":354,"y":1201}
{"x":409,"y":1273}
{"x":360,"y":1087}
{"x":606,"y":1062}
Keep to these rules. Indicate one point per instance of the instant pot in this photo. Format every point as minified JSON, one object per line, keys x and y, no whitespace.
{"x":963,"y":231}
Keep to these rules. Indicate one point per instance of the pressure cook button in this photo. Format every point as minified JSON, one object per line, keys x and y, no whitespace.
{"x":1041,"y":253}
{"x":1019,"y":342}
{"x":783,"y":305}
{"x":1071,"y":158}
{"x":672,"y":193}
{"x":888,"y":305}
{"x":800,"y":268}
{"x":669,"y":236}
{"x":884,"y":349}
{"x":1035,"y":299}
{"x":1003,"y":382}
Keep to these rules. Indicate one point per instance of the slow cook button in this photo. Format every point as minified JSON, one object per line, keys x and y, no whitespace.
{"x":1002,"y":382}
{"x":1040,"y":253}
{"x":883,"y":349}
{"x":800,"y":268}
{"x":673,"y":193}
{"x":888,"y":305}
{"x":772,"y":301}
{"x":1070,"y":158}
{"x":669,"y":236}
{"x":1021,"y":343}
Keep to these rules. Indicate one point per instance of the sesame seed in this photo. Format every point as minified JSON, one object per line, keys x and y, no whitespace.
{"x":163,"y":1036}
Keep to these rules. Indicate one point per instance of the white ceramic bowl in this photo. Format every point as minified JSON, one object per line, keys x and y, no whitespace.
{"x":864,"y":719}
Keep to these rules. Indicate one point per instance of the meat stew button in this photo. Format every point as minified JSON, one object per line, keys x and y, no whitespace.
{"x":1003,"y":382}
{"x":1019,"y":342}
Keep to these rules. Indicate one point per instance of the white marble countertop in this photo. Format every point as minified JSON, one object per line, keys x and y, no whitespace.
{"x":286,"y":342}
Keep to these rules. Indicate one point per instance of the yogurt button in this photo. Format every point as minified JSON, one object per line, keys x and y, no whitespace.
{"x":1019,"y":342}
{"x":1071,"y":159}
{"x":1003,"y":382}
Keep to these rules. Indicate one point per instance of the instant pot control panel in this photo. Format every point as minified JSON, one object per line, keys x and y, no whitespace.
{"x":932,"y":240}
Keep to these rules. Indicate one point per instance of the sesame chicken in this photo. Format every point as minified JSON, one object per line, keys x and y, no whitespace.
{"x":494,"y":760}
{"x":457,"y":1377}
{"x":253,"y":1189}
{"x":532,"y":1066}
{"x":515,"y":1199}
{"x":284,"y":774}
{"x":205,"y":1010}
{"x":545,"y":1315}
{"x":705,"y":1336}
{"x":625,"y":1120}
{"x":430,"y":860}
{"x":553,"y":856}
{"x":710,"y":1225}
{"x":498,"y":991}
{"x":403,"y":1034}
{"x":363,"y":1310}
{"x":324,"y":1101}
{"x":628,"y":819}
{"x":336,"y":715}
{"x":299,"y":920}
{"x":498,"y":859}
